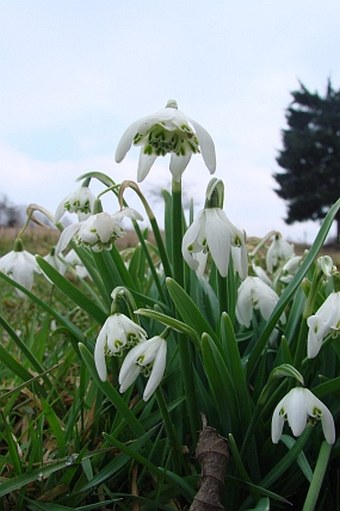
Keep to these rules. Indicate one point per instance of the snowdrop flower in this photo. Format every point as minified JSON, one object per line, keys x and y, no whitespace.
{"x":280,"y":250}
{"x":297,"y":407}
{"x":290,"y":268}
{"x":20,"y":266}
{"x":56,"y":261}
{"x":211,"y":231}
{"x":323,"y":322}
{"x":117,"y":333}
{"x":97,"y":232}
{"x":148,"y":358}
{"x":253,"y":293}
{"x":72,"y":259}
{"x":80,"y":201}
{"x":167,"y":131}
{"x":260,"y":272}
{"x":326,"y":265}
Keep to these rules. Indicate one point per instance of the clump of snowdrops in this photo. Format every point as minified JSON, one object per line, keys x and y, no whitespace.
{"x":186,"y":372}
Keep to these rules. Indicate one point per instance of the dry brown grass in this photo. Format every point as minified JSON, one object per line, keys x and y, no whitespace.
{"x":39,"y":240}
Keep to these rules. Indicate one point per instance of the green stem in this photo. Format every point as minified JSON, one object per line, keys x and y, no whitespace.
{"x":301,"y":345}
{"x":222,"y":292}
{"x":177,"y":260}
{"x":318,"y":476}
{"x":287,"y":460}
{"x":183,"y":344}
{"x":170,"y":430}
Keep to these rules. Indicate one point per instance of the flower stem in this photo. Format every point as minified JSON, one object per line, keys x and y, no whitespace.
{"x":177,"y":260}
{"x":222,"y":292}
{"x":318,"y":476}
{"x":183,"y":344}
{"x":170,"y":430}
{"x":301,"y":344}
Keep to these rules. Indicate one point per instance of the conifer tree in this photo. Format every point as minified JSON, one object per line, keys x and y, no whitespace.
{"x":310,"y":156}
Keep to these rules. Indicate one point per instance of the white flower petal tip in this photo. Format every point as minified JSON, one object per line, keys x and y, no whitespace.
{"x":212,"y":232}
{"x":148,"y":358}
{"x":117,"y":334}
{"x":167,"y":131}
{"x":20,"y":266}
{"x":325,"y":321}
{"x":278,"y":252}
{"x":298,"y":407}
{"x":81,"y":201}
{"x":98,"y":232}
{"x":255,"y":294}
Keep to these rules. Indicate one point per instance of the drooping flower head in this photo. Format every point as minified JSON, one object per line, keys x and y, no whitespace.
{"x":56,"y":261}
{"x":20,"y":266}
{"x":279,"y":251}
{"x":212,"y":232}
{"x":255,"y":294}
{"x":324,"y":321}
{"x":81,"y":201}
{"x":117,"y":334}
{"x":98,"y":232}
{"x":73,"y":260}
{"x":297,"y":407}
{"x":148,"y":358}
{"x":290,"y":268}
{"x":167,"y":131}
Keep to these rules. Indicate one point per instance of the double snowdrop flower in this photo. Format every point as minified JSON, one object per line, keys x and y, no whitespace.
{"x":72,"y":259}
{"x":255,"y":294}
{"x":56,"y":261}
{"x":297,"y":407}
{"x":325,"y":321}
{"x":167,"y":131}
{"x":212,"y":232}
{"x":290,"y":268}
{"x":148,"y":358}
{"x":145,"y":356}
{"x":279,"y":251}
{"x":98,"y":232}
{"x":81,"y":201}
{"x":117,"y":334}
{"x":20,"y":266}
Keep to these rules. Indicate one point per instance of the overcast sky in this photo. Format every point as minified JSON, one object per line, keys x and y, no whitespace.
{"x":76,"y":73}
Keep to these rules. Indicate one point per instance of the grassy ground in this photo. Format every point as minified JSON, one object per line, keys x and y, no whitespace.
{"x":47,"y":423}
{"x":39,"y":240}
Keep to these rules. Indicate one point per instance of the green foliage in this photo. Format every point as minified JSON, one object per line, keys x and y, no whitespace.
{"x":72,"y":441}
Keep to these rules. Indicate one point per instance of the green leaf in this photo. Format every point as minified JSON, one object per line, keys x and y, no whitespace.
{"x":16,"y":483}
{"x":188,"y":310}
{"x":180,"y":482}
{"x":173,"y":323}
{"x":221,"y":384}
{"x":262,"y":505}
{"x":288,"y":460}
{"x":8,"y":359}
{"x":292,"y":287}
{"x":112,"y":394}
{"x":301,"y":459}
{"x":233,"y":361}
{"x":72,"y":292}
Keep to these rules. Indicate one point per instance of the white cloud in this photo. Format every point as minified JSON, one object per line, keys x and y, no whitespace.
{"x":71,"y":69}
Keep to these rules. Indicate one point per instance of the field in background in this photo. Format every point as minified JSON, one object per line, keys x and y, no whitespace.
{"x":39,"y":240}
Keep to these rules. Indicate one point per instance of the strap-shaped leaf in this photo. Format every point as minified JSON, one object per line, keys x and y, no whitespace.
{"x":72,"y":292}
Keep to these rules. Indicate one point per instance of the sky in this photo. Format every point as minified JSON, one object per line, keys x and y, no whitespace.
{"x":76,"y":73}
